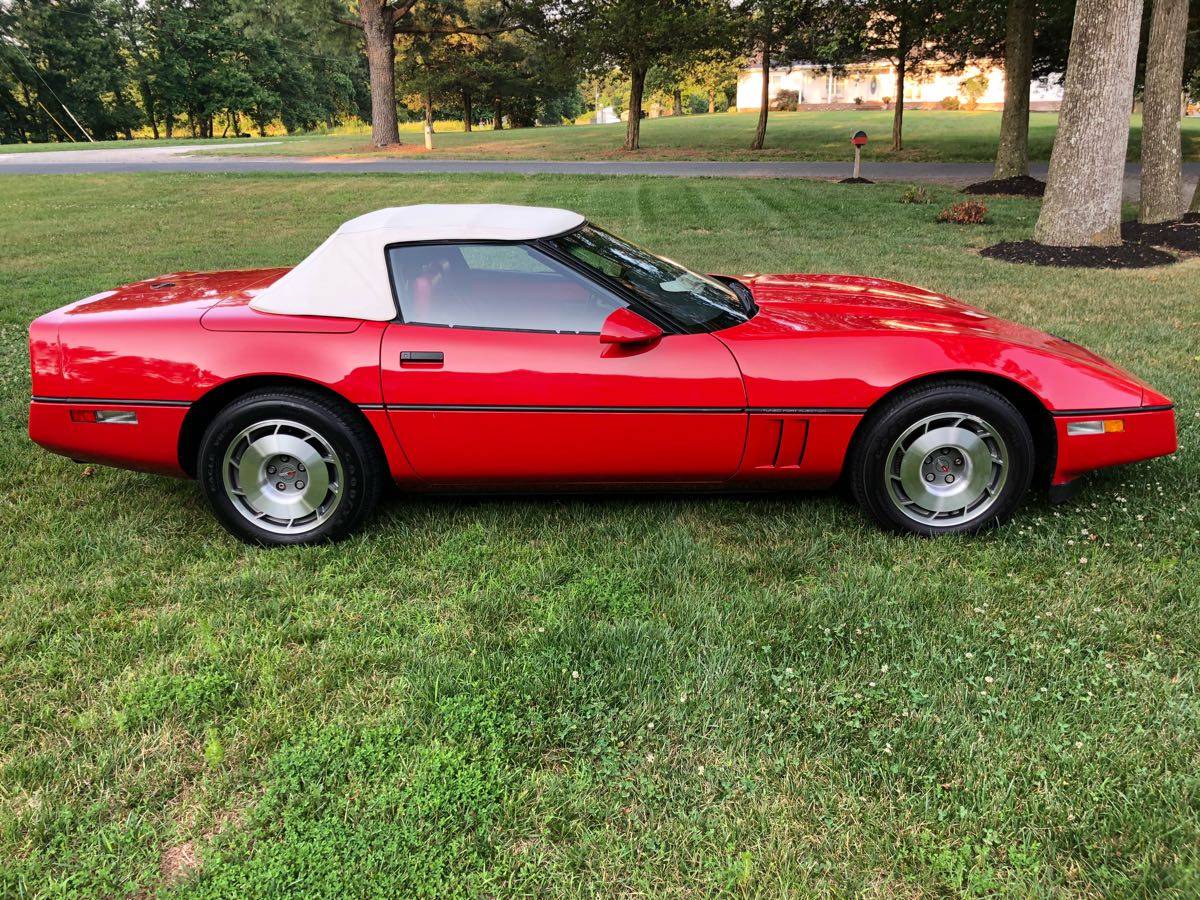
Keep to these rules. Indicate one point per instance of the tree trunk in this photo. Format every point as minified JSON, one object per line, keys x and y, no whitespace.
{"x":154,"y":128}
{"x":898,"y":113}
{"x":169,"y":124}
{"x":764,"y":106}
{"x":468,"y":113}
{"x":712,"y":102}
{"x":1195,"y":205}
{"x":378,"y":22}
{"x":498,"y":115}
{"x":1162,"y":179}
{"x":1012,"y":156}
{"x":1082,"y":206}
{"x":427,"y":107}
{"x":677,"y":102}
{"x":633,"y":131}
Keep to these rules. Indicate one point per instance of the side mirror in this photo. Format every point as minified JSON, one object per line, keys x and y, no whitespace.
{"x":624,"y":326}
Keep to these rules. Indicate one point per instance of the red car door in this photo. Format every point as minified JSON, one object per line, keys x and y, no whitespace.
{"x":498,"y":375}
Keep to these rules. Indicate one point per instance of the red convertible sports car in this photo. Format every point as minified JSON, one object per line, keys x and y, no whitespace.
{"x":489,"y":347}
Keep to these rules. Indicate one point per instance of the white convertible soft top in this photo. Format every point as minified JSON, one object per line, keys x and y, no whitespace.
{"x":347,"y":276}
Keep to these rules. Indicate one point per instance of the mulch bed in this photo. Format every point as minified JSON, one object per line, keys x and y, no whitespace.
{"x":1017,"y":186}
{"x":856,"y":181}
{"x":1182,"y":235}
{"x":1127,"y":255}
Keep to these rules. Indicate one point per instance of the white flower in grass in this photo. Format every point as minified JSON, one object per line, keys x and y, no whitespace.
{"x":988,"y":679}
{"x":575,"y":675}
{"x":1083,"y":560}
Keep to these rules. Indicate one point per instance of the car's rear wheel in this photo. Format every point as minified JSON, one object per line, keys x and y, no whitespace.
{"x":943,"y":458}
{"x":286,"y":467}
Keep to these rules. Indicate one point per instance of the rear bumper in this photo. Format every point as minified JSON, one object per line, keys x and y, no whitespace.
{"x":1147,"y":432}
{"x":151,"y":444}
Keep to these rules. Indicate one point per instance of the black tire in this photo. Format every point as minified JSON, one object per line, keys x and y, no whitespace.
{"x":879,"y":454}
{"x":359,"y":475}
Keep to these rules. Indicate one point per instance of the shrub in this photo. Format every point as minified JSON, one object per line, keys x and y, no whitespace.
{"x":916,"y":194}
{"x":950,"y":103}
{"x":973,"y":88}
{"x":786,"y":101}
{"x":858,"y":101}
{"x":968,"y":212}
{"x":887,"y":102}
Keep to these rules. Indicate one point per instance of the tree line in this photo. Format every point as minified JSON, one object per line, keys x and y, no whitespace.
{"x":106,"y":68}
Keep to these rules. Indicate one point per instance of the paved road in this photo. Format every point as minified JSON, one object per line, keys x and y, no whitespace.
{"x":184,"y":159}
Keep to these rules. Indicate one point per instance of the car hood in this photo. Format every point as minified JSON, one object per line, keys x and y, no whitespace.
{"x":801,"y":305}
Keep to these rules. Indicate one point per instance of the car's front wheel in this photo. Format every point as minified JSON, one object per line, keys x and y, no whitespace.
{"x":942,"y":459}
{"x":286,"y":467}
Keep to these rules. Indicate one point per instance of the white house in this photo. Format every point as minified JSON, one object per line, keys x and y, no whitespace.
{"x":874,"y":84}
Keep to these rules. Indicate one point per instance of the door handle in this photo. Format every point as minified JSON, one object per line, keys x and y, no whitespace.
{"x":422,"y":357}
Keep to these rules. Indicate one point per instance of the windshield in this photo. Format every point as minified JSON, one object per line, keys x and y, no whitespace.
{"x":695,"y":302}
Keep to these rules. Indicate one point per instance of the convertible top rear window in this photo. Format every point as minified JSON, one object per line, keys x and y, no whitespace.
{"x":696,"y":303}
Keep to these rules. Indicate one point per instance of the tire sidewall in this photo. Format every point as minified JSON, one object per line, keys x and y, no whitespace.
{"x":882,"y":432}
{"x":243,"y":413}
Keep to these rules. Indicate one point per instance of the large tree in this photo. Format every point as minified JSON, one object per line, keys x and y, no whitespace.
{"x":789,"y":26}
{"x":1012,"y":153}
{"x":382,"y":20}
{"x":906,"y":33}
{"x":634,"y":35}
{"x":1083,"y":194}
{"x":1162,"y":187}
{"x":1030,"y":39}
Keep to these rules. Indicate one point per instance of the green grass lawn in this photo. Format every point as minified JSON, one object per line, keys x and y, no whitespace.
{"x":118,"y":144}
{"x":580,"y":696}
{"x":930,"y":136}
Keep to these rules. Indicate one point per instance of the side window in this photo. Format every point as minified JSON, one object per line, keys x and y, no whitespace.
{"x":510,"y":287}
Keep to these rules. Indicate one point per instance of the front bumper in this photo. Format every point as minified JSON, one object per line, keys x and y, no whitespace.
{"x":1146,"y":432}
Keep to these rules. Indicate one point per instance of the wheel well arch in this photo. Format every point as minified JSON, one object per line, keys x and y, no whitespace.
{"x":206,"y":408}
{"x":1028,"y":404}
